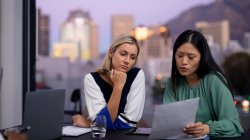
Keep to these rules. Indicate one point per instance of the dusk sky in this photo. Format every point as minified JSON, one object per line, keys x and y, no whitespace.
{"x":145,"y":12}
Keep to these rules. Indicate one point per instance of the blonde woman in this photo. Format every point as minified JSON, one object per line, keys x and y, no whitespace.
{"x":117,"y":88}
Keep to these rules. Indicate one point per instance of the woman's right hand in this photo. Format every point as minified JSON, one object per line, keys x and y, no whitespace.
{"x":79,"y":120}
{"x":197,"y":129}
{"x":118,"y":78}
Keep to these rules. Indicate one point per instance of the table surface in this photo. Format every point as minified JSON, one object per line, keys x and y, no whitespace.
{"x":110,"y":135}
{"x":121,"y":135}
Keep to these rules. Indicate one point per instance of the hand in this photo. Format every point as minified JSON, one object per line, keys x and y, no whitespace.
{"x":118,"y":78}
{"x":79,"y":120}
{"x":197,"y":129}
{"x":12,"y":135}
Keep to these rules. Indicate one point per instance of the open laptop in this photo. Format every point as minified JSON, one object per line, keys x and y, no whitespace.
{"x":44,"y":113}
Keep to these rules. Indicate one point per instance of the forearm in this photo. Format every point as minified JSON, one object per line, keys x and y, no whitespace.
{"x":224,"y":128}
{"x":114,"y":102}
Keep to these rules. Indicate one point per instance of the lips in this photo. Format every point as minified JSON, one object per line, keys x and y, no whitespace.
{"x":124,"y":67}
{"x":183,"y":69}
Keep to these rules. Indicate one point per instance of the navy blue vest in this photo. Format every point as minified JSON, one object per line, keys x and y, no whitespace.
{"x":107,"y":89}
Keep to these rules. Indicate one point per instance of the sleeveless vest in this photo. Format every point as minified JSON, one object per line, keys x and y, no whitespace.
{"x":107,"y":89}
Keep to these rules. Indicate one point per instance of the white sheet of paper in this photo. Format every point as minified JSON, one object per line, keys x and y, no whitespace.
{"x":74,"y":131}
{"x":170,"y":119}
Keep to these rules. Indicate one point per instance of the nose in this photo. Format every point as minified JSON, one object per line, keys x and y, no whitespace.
{"x":127,"y":59}
{"x":184,"y":60}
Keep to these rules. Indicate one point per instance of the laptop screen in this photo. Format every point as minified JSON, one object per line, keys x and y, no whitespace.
{"x":44,"y":113}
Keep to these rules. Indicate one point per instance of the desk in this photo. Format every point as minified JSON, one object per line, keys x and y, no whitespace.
{"x":110,"y":135}
{"x":120,"y":135}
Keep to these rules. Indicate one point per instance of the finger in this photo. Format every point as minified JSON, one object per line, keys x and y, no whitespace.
{"x":195,"y":133}
{"x":193,"y":125}
{"x":198,"y":131}
{"x":112,"y":72}
{"x":75,"y":123}
{"x":194,"y":128}
{"x":198,"y":124}
{"x":73,"y":118}
{"x":190,"y":125}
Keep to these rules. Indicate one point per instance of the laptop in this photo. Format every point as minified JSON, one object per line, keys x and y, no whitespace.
{"x":44,"y":113}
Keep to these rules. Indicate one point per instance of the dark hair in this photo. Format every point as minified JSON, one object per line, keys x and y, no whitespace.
{"x":207,"y":63}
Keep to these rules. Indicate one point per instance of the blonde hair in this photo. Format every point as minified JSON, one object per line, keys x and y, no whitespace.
{"x":117,"y":42}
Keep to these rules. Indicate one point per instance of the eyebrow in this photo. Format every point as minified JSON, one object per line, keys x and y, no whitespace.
{"x":179,"y":52}
{"x":128,"y":52}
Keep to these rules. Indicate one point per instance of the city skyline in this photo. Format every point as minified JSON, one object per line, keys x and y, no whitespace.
{"x":145,"y":13}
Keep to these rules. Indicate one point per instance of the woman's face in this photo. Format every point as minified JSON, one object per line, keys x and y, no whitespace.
{"x":124,"y":57}
{"x":187,"y":59}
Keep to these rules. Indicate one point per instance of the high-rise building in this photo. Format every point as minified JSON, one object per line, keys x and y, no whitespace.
{"x":65,"y":50}
{"x":158,"y":42}
{"x":218,"y":30}
{"x":43,"y":33}
{"x":121,"y":24}
{"x":94,"y":49}
{"x":79,"y":28}
{"x":155,"y":42}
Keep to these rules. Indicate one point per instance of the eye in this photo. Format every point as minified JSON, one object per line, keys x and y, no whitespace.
{"x":123,"y":53}
{"x":191,"y":57}
{"x":133,"y":57}
{"x":179,"y":55}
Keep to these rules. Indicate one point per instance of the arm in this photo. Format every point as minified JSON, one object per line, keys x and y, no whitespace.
{"x":94,"y":101}
{"x":94,"y":98}
{"x":133,"y":108}
{"x":118,"y":78}
{"x":228,"y":124}
{"x":135,"y":100}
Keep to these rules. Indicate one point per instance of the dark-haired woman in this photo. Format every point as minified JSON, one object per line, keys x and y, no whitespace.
{"x":195,"y":74}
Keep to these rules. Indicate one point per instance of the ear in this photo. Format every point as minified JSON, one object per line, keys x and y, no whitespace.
{"x":110,"y":53}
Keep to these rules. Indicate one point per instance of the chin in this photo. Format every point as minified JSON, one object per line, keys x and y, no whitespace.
{"x":125,"y":70}
{"x":184,"y":74}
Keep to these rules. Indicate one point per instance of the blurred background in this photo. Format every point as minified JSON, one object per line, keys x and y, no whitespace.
{"x":73,"y":37}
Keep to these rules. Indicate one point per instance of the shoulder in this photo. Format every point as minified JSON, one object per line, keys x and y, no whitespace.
{"x":136,"y":77}
{"x":136,"y":72}
{"x":213,"y":77}
{"x":141,"y":73}
{"x":88,"y":78}
{"x":216,"y":79}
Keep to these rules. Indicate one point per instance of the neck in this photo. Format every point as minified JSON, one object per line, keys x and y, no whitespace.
{"x":192,"y":79}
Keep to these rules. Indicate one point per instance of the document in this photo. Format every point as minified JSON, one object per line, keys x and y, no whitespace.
{"x":170,"y":119}
{"x":74,"y":131}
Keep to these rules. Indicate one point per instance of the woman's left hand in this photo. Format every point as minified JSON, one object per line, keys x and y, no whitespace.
{"x":197,"y":129}
{"x":79,"y":120}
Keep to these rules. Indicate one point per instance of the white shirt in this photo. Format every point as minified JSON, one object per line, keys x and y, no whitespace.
{"x":135,"y":100}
